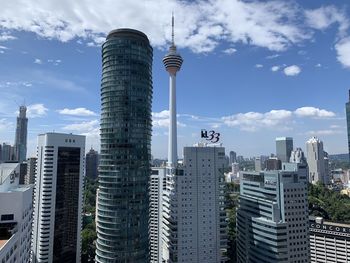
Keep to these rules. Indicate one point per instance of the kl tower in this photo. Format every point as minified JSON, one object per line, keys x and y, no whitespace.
{"x":172,"y":62}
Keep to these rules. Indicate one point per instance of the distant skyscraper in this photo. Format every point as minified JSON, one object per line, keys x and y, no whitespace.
{"x":347,"y":109}
{"x":58,"y":198}
{"x":233,"y":157}
{"x":272,"y":218}
{"x":91,"y":164}
{"x":284,"y":147}
{"x":21,"y":135}
{"x":297,"y":156}
{"x":126,"y":128}
{"x":315,"y":160}
{"x":16,"y":209}
{"x":31,"y":170}
{"x":194,"y":217}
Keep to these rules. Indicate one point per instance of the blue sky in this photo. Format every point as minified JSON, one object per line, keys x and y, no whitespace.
{"x":253,"y":70}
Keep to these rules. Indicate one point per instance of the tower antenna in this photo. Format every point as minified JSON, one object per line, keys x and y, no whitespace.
{"x":172,"y":29}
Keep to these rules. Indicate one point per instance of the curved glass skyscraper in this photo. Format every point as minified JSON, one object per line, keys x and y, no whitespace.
{"x":126,"y":126}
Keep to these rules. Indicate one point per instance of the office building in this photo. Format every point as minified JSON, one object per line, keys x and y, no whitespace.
{"x":194,"y":217}
{"x":124,"y":168}
{"x":297,"y":156}
{"x":31,"y":170}
{"x":233,"y":157}
{"x":91,"y":164}
{"x":273,"y":163}
{"x":16,"y":209}
{"x":21,"y":135}
{"x":315,"y":160}
{"x":272,"y":217}
{"x":58,"y":198}
{"x":329,"y":241}
{"x":326,"y":168}
{"x":347,"y":109}
{"x":284,"y":147}
{"x":156,"y":187}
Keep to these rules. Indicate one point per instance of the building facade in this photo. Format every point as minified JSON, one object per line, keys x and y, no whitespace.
{"x":16,"y":210}
{"x":194,"y":218}
{"x":284,"y":147}
{"x":156,"y":188}
{"x":297,"y":156}
{"x":272,"y":217}
{"x":21,"y":135}
{"x":124,"y":169}
{"x":29,"y":178}
{"x":91,"y":164}
{"x":329,"y":241}
{"x":315,"y":160}
{"x":58,"y":198}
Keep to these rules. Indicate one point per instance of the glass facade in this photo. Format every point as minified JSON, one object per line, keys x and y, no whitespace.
{"x":126,"y":127}
{"x":347,"y":107}
{"x":67,"y":205}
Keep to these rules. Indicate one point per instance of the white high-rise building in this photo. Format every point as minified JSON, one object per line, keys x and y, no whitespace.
{"x":156,"y":186}
{"x":272,"y":217}
{"x":194,"y":218}
{"x":315,"y":160}
{"x":58,"y":198}
{"x":16,"y":209}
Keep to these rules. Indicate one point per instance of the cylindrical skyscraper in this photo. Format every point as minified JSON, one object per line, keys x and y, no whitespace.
{"x":172,"y":62}
{"x":124,"y":169}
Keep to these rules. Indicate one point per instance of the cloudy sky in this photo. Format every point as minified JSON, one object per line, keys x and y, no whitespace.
{"x":253,"y":70}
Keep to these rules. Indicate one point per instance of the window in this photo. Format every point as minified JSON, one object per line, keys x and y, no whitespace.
{"x":7,"y":217}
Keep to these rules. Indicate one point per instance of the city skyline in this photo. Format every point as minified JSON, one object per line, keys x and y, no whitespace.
{"x":299,"y":88}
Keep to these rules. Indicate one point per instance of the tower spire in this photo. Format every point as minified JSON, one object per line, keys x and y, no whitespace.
{"x":172,"y":29}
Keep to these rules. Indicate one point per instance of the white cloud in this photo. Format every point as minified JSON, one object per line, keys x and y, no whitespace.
{"x":82,"y":127}
{"x":319,"y":65}
{"x":230,"y":51}
{"x":252,"y":121}
{"x":343,"y":52}
{"x":162,"y":114}
{"x":5,"y":36}
{"x":273,"y":56}
{"x":275,"y":68}
{"x":292,"y":70}
{"x":199,"y":25}
{"x":77,"y":112}
{"x":3,"y":47}
{"x":36,"y":110}
{"x":38,"y":61}
{"x":313,"y":112}
{"x":324,"y":132}
{"x":161,"y":119}
{"x":321,"y":18}
{"x":259,"y":65}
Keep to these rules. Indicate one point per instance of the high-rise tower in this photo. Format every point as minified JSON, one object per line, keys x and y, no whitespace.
{"x":21,"y":135}
{"x":124,"y":168}
{"x":172,"y":62}
{"x":58,"y":198}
